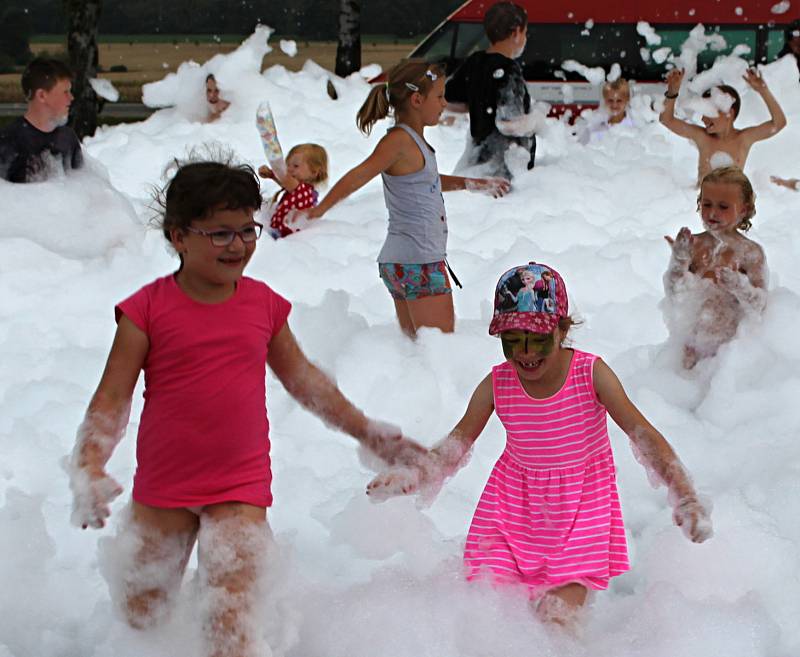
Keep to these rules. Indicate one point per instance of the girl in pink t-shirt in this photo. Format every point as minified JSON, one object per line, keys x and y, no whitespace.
{"x":549,"y":517}
{"x":203,"y":337}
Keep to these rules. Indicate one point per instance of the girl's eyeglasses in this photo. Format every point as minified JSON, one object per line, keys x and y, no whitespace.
{"x":224,"y":237}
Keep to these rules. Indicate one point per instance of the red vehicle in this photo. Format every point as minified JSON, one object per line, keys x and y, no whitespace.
{"x":601,"y":33}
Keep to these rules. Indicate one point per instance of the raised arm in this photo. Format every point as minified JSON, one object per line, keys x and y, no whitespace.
{"x":777,"y":120}
{"x":104,"y":426}
{"x":388,"y":151}
{"x":433,"y":467}
{"x":285,"y":180}
{"x":655,"y":454}
{"x":680,"y":259}
{"x":317,"y":392}
{"x":667,"y":116}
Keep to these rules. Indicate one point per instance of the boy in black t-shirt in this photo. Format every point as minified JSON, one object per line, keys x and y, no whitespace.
{"x":32,"y":142}
{"x":491,"y":86}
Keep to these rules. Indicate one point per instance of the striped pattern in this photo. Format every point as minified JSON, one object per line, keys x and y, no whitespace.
{"x":550,"y":513}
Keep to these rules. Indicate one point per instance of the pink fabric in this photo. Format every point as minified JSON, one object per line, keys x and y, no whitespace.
{"x":203,"y":433}
{"x":550,"y":512}
{"x":303,"y":197}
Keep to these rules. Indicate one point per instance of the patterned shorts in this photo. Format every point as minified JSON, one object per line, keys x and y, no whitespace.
{"x":411,"y":282}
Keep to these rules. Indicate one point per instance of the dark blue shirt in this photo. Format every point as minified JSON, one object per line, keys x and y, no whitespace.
{"x":25,"y":150}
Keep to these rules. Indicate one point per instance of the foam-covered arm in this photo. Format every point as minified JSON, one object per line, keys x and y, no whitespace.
{"x":680,"y":259}
{"x":655,"y":454}
{"x":427,"y":472}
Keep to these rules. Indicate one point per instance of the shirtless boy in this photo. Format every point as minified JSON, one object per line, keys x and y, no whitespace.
{"x":718,"y":142}
{"x":720,"y":269}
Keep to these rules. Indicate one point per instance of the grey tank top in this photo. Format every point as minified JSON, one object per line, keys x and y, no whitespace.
{"x":417,"y":219}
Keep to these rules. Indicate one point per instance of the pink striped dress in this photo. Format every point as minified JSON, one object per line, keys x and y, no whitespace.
{"x":550,"y":512}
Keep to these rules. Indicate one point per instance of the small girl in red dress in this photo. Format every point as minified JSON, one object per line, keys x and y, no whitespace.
{"x":306,"y":166}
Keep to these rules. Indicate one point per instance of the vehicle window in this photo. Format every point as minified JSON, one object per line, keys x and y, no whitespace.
{"x":775,"y":43}
{"x":470,"y":38}
{"x":438,"y":46}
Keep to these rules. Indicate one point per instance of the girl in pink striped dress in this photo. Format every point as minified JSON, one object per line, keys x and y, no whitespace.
{"x":549,"y":517}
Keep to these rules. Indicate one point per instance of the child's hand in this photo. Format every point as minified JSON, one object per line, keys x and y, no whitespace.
{"x":394,"y":482}
{"x":693,"y":518}
{"x":389,"y":444}
{"x":681,"y":245}
{"x":790,"y":183}
{"x":92,"y":493}
{"x":754,"y":79}
{"x":494,"y":187}
{"x":265,"y":172}
{"x":674,"y":79}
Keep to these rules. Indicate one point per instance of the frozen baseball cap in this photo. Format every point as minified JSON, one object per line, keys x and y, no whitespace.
{"x":530,"y":297}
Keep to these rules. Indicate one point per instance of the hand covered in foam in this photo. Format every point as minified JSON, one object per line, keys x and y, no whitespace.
{"x":494,"y":187}
{"x":681,"y":245}
{"x":92,"y":493}
{"x":388,"y":443}
{"x":741,"y":288}
{"x":693,"y":518}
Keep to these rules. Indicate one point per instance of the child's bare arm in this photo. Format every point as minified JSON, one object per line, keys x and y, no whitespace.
{"x":494,"y":187}
{"x":749,"y":289}
{"x":680,"y":260}
{"x":388,"y":151}
{"x":777,"y":120}
{"x":104,"y":425}
{"x":285,"y":180}
{"x":655,"y":453}
{"x":667,"y":116}
{"x":317,"y":392}
{"x":434,"y":466}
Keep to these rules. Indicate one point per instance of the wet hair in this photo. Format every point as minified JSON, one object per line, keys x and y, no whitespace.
{"x":733,"y":176}
{"x":502,"y":19}
{"x":403,"y":80}
{"x":43,"y":74}
{"x":210,"y":76}
{"x":728,"y":89}
{"x":199,"y":188}
{"x":316,"y":158}
{"x":620,"y":84}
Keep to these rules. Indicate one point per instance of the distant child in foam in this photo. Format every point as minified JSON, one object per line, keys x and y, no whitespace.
{"x":412,"y":260}
{"x":614,"y":112}
{"x":306,"y":166}
{"x":203,"y":337}
{"x":718,"y":142}
{"x":719,"y":273}
{"x":549,"y":517}
{"x":216,"y":105}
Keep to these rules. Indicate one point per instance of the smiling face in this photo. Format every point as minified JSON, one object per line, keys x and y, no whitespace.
{"x":298,"y":167}
{"x":206,"y":266}
{"x":533,"y":355}
{"x":616,"y":102}
{"x":722,"y":206}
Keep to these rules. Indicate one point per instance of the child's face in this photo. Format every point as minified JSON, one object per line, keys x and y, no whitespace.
{"x":298,"y":167}
{"x":520,"y":38}
{"x":720,"y":123}
{"x":722,"y":207}
{"x":616,"y":102}
{"x":210,"y":264}
{"x":58,"y":100}
{"x":434,"y":103}
{"x":531,"y":354}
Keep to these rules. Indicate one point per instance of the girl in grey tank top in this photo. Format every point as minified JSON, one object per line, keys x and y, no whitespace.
{"x":412,"y":259}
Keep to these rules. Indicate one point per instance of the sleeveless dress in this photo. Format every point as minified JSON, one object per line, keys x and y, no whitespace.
{"x":549,"y":513}
{"x":417,"y":219}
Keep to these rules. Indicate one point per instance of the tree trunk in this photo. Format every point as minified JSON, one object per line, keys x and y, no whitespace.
{"x":82,"y":17}
{"x":348,"y":51}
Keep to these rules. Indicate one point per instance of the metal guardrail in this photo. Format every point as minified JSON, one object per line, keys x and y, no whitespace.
{"x":117,"y":110}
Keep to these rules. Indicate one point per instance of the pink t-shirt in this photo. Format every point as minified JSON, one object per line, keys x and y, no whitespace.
{"x":204,"y":433}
